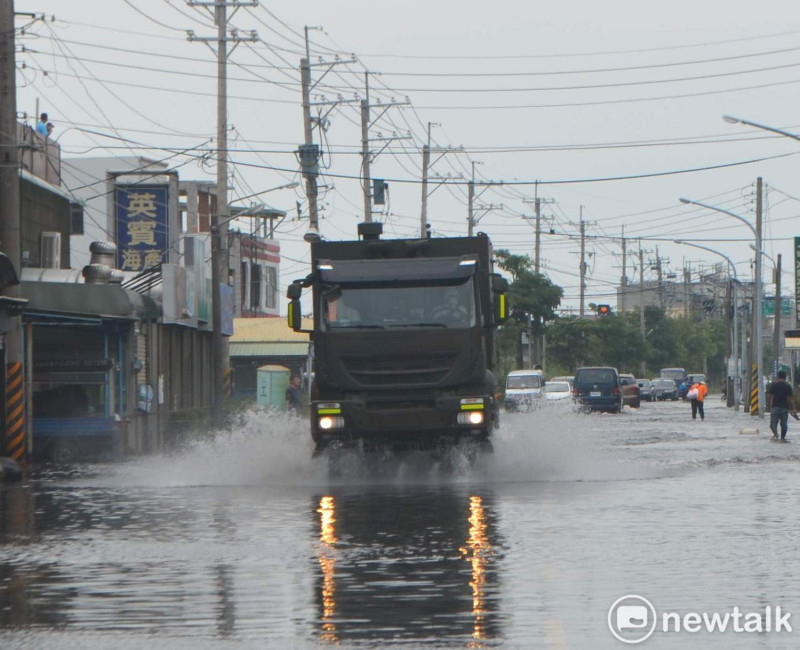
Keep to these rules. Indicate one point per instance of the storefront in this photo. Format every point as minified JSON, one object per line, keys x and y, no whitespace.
{"x":81,"y":344}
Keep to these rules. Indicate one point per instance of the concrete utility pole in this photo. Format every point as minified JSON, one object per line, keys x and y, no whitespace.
{"x":537,"y":203}
{"x":537,"y":241}
{"x":583,"y":264}
{"x":309,"y":152}
{"x":776,"y":341}
{"x":219,"y":217}
{"x":309,"y":171}
{"x":472,"y":220}
{"x":660,"y":281}
{"x":426,"y":161}
{"x":624,"y":280}
{"x":366,"y":154}
{"x":366,"y":178}
{"x":641,"y":303}
{"x":758,"y":319}
{"x":687,"y":279}
{"x":13,"y":438}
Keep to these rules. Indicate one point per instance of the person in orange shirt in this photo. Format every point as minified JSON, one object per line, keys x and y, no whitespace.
{"x":699,"y":392}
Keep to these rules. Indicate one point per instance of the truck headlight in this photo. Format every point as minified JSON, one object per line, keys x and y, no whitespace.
{"x":329,"y":422}
{"x":473,"y":418}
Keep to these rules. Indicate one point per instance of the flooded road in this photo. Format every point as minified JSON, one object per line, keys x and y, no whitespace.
{"x":247,"y":543}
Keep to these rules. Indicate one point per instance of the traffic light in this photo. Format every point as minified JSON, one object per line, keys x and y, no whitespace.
{"x":603,"y":310}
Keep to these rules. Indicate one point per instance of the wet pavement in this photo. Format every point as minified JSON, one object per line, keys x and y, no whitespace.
{"x":247,"y":542}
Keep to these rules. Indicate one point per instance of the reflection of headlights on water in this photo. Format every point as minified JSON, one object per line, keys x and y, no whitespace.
{"x":472,"y":417}
{"x":328,"y":422}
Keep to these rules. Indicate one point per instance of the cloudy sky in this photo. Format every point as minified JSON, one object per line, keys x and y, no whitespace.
{"x":610,"y":111}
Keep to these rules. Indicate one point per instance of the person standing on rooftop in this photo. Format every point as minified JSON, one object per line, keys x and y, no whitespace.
{"x":41,"y":126}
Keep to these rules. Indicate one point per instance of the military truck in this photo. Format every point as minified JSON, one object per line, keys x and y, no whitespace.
{"x":403,"y":340}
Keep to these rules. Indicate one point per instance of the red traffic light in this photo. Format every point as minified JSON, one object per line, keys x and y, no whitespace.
{"x":603,"y":310}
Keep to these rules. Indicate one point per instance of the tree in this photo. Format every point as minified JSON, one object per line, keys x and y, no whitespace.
{"x":533,"y":300}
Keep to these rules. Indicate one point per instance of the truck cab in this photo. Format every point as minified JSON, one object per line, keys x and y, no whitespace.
{"x":403,"y":339}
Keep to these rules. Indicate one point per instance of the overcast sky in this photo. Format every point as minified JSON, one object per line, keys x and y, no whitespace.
{"x":615,"y":108}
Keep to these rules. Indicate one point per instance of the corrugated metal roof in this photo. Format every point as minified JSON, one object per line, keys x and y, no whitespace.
{"x":264,"y":349}
{"x":267,"y":329}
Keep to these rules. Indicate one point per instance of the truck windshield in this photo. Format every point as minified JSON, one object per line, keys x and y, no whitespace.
{"x":387,"y":307}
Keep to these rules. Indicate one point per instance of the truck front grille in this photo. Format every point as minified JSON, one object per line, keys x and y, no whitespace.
{"x":399,"y":371}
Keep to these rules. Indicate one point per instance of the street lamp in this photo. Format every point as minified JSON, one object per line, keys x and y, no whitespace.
{"x":757,"y":320}
{"x":735,"y":120}
{"x":737,"y":373}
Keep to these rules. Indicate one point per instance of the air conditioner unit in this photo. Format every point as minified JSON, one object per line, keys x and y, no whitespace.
{"x":51,"y":250}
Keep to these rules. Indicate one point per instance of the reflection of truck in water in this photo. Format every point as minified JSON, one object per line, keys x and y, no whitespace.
{"x":404,"y":339}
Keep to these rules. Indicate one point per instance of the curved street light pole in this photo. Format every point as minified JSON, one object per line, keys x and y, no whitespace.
{"x":737,"y":369}
{"x":757,"y":318}
{"x":735,"y":120}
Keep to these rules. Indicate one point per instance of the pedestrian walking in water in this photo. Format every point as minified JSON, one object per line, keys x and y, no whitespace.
{"x":293,"y":395}
{"x":781,"y":402}
{"x":697,"y":394}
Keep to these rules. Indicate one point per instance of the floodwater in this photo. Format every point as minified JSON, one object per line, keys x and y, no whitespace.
{"x":246,"y":542}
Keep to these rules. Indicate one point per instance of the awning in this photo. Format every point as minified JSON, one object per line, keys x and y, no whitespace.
{"x":269,"y":349}
{"x":87,"y":300}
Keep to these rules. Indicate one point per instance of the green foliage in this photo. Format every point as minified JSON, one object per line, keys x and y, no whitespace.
{"x":616,"y":340}
{"x":533,"y":300}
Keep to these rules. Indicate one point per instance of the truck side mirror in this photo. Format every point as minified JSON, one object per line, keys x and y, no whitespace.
{"x":294,"y":313}
{"x":499,"y":289}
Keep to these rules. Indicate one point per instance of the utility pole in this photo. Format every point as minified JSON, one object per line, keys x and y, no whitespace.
{"x":219,"y":217}
{"x":537,"y":203}
{"x":583,"y":264}
{"x":777,"y":333}
{"x":365,"y":172}
{"x":366,"y":154}
{"x":687,"y":280}
{"x":308,"y":152}
{"x":426,"y":161}
{"x":641,"y":302}
{"x":758,"y":319}
{"x":13,"y":438}
{"x":624,"y":280}
{"x":660,"y":282}
{"x":538,"y":235}
{"x":309,"y":156}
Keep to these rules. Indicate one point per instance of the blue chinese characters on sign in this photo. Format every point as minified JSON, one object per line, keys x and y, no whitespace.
{"x":141,"y":212}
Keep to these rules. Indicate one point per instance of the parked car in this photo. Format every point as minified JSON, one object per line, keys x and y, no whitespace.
{"x":664,"y":389}
{"x":630,"y":390}
{"x":523,"y":390}
{"x":557,"y":390}
{"x":645,"y":389}
{"x":597,"y":388}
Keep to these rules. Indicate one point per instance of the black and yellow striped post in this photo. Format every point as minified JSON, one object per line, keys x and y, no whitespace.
{"x":754,"y":387}
{"x":226,"y":384}
{"x":15,"y":412}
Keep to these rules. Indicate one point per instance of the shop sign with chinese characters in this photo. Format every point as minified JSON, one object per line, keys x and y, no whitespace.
{"x":141,"y":212}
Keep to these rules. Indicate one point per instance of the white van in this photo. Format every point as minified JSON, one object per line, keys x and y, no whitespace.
{"x":524,"y":389}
